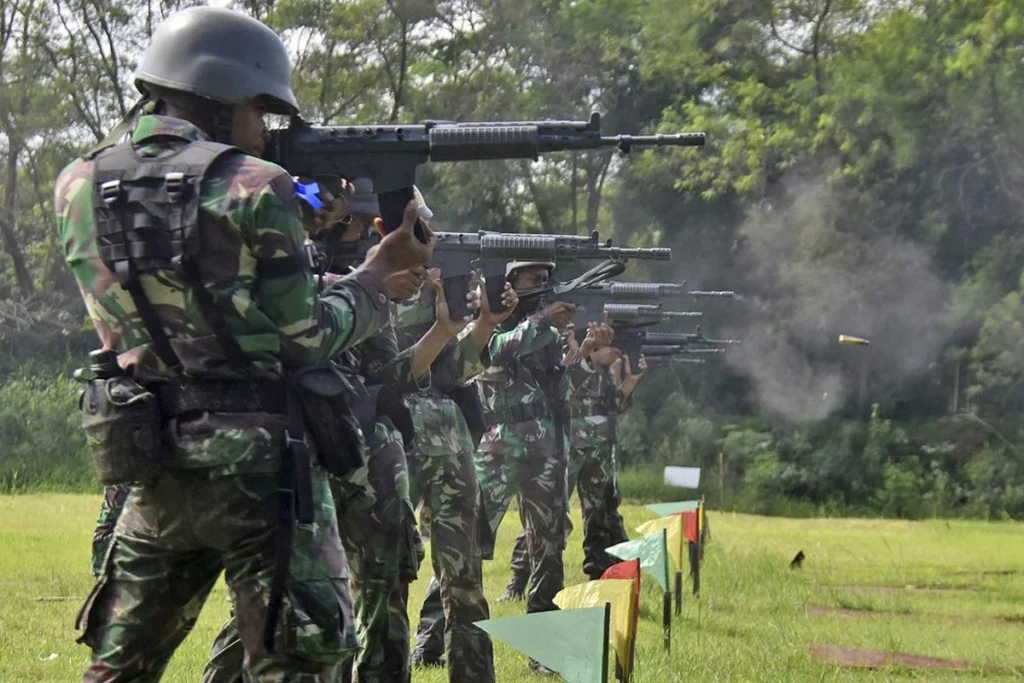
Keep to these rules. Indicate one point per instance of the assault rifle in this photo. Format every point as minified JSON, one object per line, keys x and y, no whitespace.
{"x":636,"y":342}
{"x":488,"y":253}
{"x":633,"y":315}
{"x":642,"y":292}
{"x":388,"y":155}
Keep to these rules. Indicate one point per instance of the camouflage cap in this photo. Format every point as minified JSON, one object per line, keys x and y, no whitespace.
{"x":221,"y":55}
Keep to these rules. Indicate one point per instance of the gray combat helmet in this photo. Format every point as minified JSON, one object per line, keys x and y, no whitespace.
{"x":220,"y":55}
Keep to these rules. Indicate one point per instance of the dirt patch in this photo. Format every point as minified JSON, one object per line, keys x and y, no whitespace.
{"x":988,"y":572}
{"x":825,"y":610}
{"x":876,"y":659}
{"x":921,"y":588}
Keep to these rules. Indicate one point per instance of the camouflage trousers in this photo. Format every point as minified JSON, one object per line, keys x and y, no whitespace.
{"x":172,"y":541}
{"x":110,"y":510}
{"x":538,"y":478}
{"x":447,"y":486}
{"x":592,"y":474}
{"x":378,"y":529}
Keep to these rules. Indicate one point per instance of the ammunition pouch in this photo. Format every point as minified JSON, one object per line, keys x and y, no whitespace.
{"x":379,"y":401}
{"x":322,"y":393}
{"x":123,"y":424}
{"x":517,"y":413}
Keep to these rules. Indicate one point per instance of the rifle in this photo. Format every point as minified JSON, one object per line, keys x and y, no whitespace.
{"x":456,"y":253}
{"x":636,"y":342}
{"x":640,"y":292}
{"x":638,"y":315}
{"x":387,"y":155}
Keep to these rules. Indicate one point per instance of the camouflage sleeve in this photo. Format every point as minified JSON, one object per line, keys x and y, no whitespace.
{"x":525,"y":338}
{"x":383,"y":363}
{"x":458,"y":363}
{"x":311,"y":329}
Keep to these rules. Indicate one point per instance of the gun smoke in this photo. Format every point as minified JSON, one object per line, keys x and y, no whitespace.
{"x":816,"y":269}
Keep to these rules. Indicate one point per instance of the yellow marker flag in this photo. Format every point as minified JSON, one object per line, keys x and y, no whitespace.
{"x":673,"y":525}
{"x":700,"y":518}
{"x":617,"y":592}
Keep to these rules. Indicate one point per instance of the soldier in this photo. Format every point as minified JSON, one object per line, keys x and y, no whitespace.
{"x":189,"y":257}
{"x":375,"y":513}
{"x":445,"y":483}
{"x":523,"y":451}
{"x":606,"y":391}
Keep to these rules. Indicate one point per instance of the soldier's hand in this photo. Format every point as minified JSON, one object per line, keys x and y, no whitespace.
{"x":509,"y":301}
{"x":605,"y":356}
{"x":402,"y":249}
{"x":329,"y":214}
{"x":599,"y":335}
{"x":559,"y":314}
{"x":405,"y":284}
{"x":442,"y":314}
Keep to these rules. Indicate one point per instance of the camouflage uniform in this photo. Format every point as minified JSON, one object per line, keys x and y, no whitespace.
{"x":208,"y":512}
{"x":110,"y":510}
{"x":596,"y":405}
{"x":445,"y":482}
{"x":524,"y":451}
{"x":378,"y":528}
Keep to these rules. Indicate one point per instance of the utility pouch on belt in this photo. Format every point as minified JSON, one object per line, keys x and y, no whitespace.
{"x":322,"y":392}
{"x":122,"y":423}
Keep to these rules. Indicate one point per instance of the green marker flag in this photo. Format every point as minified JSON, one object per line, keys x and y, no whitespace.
{"x":573,"y":642}
{"x":653,"y":554}
{"x":666,"y":509}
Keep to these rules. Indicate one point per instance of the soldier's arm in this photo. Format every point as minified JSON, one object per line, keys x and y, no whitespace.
{"x":525,"y":338}
{"x":311,"y":328}
{"x":383,"y":363}
{"x":458,"y":363}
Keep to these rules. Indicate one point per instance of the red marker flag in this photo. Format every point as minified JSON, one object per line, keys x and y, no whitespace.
{"x":691,"y":526}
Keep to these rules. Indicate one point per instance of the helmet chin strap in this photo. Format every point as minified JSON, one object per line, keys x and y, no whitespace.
{"x":223,"y":122}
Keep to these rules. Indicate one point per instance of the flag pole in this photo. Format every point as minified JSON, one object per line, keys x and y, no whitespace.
{"x":679,"y":592}
{"x":666,"y":601}
{"x":607,"y":634}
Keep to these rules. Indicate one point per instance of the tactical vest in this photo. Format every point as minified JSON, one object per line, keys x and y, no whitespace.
{"x":147,"y":220}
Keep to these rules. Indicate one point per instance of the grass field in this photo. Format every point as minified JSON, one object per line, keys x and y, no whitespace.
{"x":944,"y":589}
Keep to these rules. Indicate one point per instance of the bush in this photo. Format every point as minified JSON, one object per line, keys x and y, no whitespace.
{"x":43,"y":444}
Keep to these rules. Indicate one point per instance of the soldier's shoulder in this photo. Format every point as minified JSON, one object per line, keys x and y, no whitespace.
{"x":72,"y":179}
{"x":243,"y":175}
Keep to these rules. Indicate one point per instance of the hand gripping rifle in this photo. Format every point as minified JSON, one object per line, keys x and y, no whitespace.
{"x":388,"y":155}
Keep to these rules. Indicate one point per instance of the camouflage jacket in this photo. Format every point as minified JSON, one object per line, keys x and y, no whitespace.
{"x":596,"y":404}
{"x":526,"y":370}
{"x":440,"y":425}
{"x":247,"y":216}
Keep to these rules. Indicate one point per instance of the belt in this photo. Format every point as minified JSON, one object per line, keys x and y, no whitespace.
{"x":221,"y":396}
{"x":517,"y":413}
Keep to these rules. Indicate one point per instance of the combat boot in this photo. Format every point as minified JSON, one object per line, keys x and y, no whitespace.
{"x":514,"y":592}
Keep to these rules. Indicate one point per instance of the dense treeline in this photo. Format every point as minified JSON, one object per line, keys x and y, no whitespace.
{"x":862,"y":177}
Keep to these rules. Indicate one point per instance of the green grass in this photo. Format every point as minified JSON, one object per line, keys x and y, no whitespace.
{"x":751,"y":624}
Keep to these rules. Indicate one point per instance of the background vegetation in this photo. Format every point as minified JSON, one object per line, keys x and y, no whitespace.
{"x":863,"y":176}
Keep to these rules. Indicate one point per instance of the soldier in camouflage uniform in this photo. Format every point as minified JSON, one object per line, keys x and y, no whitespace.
{"x":375,"y":512}
{"x":211,"y":506}
{"x":444,"y":482}
{"x":606,"y":391}
{"x":523,"y":452}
